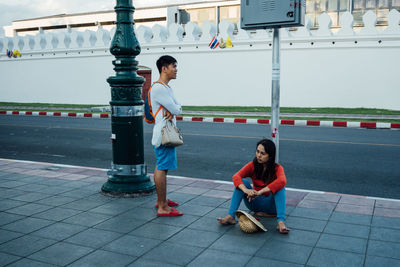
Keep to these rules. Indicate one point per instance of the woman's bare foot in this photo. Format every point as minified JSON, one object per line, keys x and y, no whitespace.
{"x":227,"y":220}
{"x":281,"y":227}
{"x":264,"y":214}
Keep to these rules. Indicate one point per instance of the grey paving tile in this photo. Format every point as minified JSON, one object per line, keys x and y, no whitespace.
{"x":207,"y":201}
{"x":210,"y":224}
{"x":10,"y":203}
{"x":25,"y":245}
{"x":247,"y":244}
{"x":6,"y":259}
{"x":173,"y":253}
{"x":257,"y":262}
{"x":195,"y":209}
{"x":83,"y":204}
{"x":61,"y":254}
{"x":30,"y":197}
{"x":387,"y":222}
{"x":27,"y":225}
{"x":78,"y":193}
{"x":32,"y":187}
{"x":6,"y":218}
{"x":359,"y":209}
{"x":87,"y":218}
{"x":120,"y":224}
{"x":212,"y":257}
{"x":293,"y":198}
{"x":56,"y":189}
{"x":150,"y":263}
{"x":29,"y":263}
{"x":29,"y":209}
{"x":111,"y":208}
{"x":181,"y":221}
{"x":388,"y":204}
{"x":11,"y":184}
{"x":99,"y":197}
{"x":311,"y":213}
{"x":394,"y":213}
{"x":217,"y":212}
{"x":343,"y":243}
{"x":81,"y":186}
{"x":227,"y":204}
{"x":94,"y":238}
{"x":9,"y":193}
{"x":373,"y":261}
{"x":384,"y":249}
{"x":282,"y":250}
{"x":8,"y":235}
{"x":289,"y":209}
{"x":56,"y":214}
{"x":319,"y":205}
{"x":334,"y":258}
{"x":59,"y":231}
{"x":132,"y":245}
{"x":351,"y":218}
{"x":103,"y":258}
{"x":305,"y":224}
{"x":55,"y":201}
{"x":156,"y":231}
{"x":347,"y":229}
{"x":357,"y":200}
{"x":327,"y":197}
{"x":195,"y":238}
{"x":192,"y":190}
{"x":140,"y":213}
{"x":300,"y":237}
{"x":385,"y":234}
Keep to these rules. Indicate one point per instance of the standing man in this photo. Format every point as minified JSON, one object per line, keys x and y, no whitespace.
{"x":162,"y":95}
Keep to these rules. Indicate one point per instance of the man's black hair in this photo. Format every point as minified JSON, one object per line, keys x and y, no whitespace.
{"x":165,"y":61}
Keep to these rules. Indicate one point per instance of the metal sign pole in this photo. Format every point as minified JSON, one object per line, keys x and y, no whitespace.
{"x":276,"y":72}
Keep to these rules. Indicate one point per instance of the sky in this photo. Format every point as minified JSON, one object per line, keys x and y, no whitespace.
{"x":26,"y":9}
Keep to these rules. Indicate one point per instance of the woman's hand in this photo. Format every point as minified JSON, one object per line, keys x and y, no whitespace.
{"x":251,"y":194}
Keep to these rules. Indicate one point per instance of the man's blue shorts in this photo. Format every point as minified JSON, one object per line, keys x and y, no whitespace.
{"x":166,"y":157}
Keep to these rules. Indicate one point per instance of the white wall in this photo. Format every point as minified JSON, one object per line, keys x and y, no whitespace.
{"x":318,"y":69}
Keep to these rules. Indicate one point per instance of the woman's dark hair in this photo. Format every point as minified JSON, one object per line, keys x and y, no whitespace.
{"x":269,"y":175}
{"x":165,"y":61}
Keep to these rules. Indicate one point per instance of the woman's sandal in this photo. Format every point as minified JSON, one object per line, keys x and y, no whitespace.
{"x":283,"y":230}
{"x":226,"y":222}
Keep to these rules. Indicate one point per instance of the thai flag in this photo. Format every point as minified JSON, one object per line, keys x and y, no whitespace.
{"x":214,"y":43}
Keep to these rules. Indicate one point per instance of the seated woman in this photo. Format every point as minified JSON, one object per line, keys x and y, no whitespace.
{"x":268,"y":197}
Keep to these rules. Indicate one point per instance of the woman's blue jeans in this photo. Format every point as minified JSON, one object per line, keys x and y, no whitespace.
{"x":272,"y":204}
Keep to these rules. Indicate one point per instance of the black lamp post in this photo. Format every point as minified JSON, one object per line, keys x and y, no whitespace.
{"x":128,"y":173}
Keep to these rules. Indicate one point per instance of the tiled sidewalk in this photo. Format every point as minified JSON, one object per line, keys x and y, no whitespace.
{"x":53,"y":215}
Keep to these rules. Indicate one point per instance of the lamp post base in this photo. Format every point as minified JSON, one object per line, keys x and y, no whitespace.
{"x":128,"y":186}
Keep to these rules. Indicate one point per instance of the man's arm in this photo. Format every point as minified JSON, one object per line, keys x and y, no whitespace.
{"x":161,"y":95}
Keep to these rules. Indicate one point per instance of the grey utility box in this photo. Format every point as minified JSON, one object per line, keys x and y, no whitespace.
{"x":263,"y":14}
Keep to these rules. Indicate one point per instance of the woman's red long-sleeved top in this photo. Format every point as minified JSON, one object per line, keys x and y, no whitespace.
{"x":248,"y":171}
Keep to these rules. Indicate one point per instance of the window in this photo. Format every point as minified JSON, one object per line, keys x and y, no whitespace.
{"x":200,"y":15}
{"x":231,"y":13}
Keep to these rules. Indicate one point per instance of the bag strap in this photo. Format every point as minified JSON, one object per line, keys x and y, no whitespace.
{"x":149,"y":99}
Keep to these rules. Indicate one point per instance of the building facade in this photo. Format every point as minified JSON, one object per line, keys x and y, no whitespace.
{"x":151,"y":12}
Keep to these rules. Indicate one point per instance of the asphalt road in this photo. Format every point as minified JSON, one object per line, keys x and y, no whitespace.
{"x":344,"y":160}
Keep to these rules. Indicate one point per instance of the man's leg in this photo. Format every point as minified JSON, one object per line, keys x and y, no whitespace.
{"x":160,"y":180}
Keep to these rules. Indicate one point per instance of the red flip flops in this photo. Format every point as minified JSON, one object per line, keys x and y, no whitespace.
{"x":170,"y":204}
{"x":172,"y":213}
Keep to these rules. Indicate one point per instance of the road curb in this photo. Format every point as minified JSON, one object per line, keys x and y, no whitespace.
{"x":343,"y":124}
